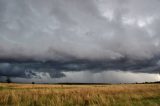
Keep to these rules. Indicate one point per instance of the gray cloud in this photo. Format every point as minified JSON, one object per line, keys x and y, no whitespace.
{"x":78,"y":35}
{"x":56,"y":69}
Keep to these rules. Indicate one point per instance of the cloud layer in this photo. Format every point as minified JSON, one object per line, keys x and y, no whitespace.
{"x":74,"y":35}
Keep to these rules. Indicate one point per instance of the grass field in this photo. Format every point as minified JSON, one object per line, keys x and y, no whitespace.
{"x":79,"y":95}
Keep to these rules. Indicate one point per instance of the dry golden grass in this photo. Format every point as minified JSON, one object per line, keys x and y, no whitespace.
{"x":79,"y":95}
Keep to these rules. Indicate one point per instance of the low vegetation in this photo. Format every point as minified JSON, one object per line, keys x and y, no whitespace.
{"x":79,"y":95}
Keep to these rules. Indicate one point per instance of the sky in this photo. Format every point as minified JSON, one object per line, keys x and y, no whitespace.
{"x":115,"y":41}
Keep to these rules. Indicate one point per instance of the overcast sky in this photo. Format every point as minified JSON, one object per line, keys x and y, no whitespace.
{"x":61,"y":39}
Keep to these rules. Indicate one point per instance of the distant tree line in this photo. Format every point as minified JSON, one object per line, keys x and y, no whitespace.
{"x":8,"y":80}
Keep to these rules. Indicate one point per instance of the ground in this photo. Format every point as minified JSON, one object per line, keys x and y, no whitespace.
{"x":79,"y":95}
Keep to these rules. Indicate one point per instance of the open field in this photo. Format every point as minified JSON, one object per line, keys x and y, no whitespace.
{"x":79,"y":95}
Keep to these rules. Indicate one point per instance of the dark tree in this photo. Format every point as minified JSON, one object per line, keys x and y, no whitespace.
{"x":33,"y":82}
{"x":8,"y":80}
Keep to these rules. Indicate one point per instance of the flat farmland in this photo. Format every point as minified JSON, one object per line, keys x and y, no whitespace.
{"x":79,"y":95}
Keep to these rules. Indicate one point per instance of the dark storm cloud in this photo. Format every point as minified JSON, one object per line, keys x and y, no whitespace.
{"x":49,"y":37}
{"x":55,"y":69}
